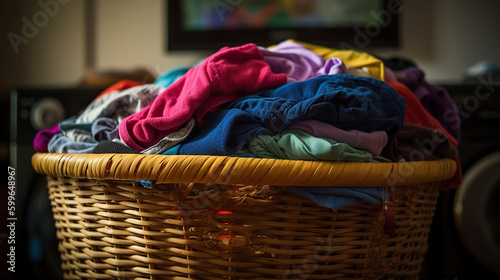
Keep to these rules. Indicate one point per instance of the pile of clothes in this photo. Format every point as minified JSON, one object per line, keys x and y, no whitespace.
{"x":294,"y":101}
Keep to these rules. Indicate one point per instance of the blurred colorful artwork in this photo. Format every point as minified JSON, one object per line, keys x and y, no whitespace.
{"x":260,"y":14}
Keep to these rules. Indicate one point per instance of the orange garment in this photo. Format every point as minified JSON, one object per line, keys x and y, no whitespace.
{"x":121,"y":85}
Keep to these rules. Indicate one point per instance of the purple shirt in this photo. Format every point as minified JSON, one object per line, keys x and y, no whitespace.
{"x":435,"y":99}
{"x":372,"y":142}
{"x":300,"y":63}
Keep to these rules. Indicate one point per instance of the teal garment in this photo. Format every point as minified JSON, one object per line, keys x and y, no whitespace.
{"x":300,"y":145}
{"x":70,"y":124}
{"x":172,"y":151}
{"x":170,"y":76}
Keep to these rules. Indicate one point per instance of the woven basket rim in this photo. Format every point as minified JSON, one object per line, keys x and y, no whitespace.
{"x":239,"y":170}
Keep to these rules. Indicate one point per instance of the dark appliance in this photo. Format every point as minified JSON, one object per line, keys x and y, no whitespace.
{"x":37,"y":255}
{"x":464,"y":241}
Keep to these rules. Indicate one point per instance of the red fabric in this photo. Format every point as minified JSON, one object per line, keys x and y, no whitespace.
{"x":121,"y":85}
{"x":417,"y":114}
{"x":228,"y":72}
{"x":390,"y":221}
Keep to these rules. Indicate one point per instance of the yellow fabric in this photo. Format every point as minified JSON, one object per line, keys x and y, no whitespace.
{"x":351,"y":58}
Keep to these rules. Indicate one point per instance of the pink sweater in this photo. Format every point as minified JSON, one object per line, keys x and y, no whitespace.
{"x":224,"y":76}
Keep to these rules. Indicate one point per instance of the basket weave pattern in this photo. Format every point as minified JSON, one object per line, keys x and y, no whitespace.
{"x":111,"y":229}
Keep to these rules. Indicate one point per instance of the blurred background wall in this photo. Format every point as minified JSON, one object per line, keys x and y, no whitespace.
{"x":443,"y":36}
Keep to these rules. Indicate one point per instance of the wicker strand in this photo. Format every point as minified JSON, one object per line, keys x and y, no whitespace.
{"x":247,"y":171}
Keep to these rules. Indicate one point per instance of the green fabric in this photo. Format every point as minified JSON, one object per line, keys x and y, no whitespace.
{"x":300,"y":145}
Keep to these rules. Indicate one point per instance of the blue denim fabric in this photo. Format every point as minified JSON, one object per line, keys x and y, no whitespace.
{"x":346,"y":101}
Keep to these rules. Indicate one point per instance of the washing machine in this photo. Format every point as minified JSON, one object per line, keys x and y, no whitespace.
{"x":464,"y":242}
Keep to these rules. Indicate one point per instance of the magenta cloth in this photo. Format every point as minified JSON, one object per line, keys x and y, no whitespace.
{"x":42,"y":138}
{"x":300,"y":63}
{"x":372,"y":142}
{"x":222,"y":77}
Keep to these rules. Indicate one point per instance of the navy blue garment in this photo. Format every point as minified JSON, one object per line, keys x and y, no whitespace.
{"x":346,"y":101}
{"x":343,"y":100}
{"x":223,"y":133}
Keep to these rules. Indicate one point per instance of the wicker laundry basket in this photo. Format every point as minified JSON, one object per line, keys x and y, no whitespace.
{"x":206,"y":217}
